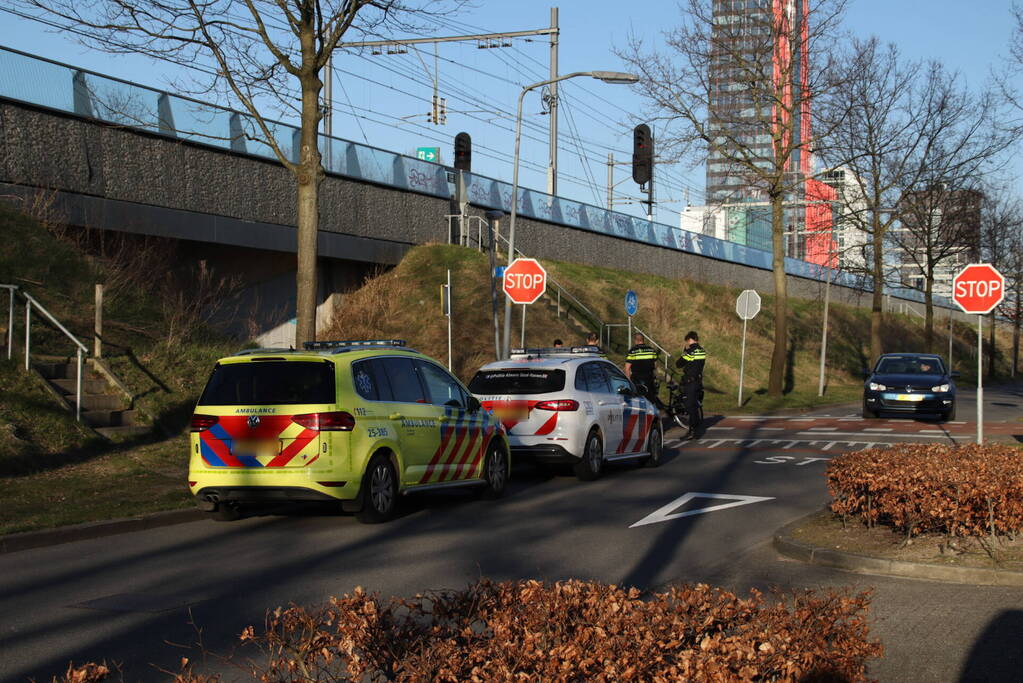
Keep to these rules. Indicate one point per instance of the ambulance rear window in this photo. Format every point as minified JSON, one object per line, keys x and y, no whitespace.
{"x":270,"y":383}
{"x":517,"y":381}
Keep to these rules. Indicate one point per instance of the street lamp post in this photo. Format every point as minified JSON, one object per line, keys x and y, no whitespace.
{"x":607,"y":77}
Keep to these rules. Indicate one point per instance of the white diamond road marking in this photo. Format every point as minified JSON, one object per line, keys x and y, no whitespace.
{"x":663,"y":514}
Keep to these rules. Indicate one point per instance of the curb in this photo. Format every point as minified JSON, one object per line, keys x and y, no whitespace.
{"x":864,"y":564}
{"x":81,"y":532}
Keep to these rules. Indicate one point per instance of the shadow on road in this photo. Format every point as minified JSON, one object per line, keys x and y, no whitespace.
{"x":996,"y":655}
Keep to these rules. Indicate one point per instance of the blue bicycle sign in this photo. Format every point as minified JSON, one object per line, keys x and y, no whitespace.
{"x":631,"y":302}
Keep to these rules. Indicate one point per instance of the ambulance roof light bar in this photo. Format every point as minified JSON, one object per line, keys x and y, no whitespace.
{"x":322,"y":345}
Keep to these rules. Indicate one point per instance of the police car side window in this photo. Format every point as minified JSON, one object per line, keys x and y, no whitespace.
{"x":596,"y":379}
{"x":618,"y":379}
{"x":444,"y":391}
{"x":404,"y":379}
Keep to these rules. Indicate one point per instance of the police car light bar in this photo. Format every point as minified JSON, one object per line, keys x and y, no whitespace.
{"x":314,"y":345}
{"x":554,"y":351}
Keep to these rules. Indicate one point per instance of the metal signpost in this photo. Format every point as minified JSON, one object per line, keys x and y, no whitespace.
{"x":524,"y":281}
{"x":445,"y":307}
{"x":631,"y":306}
{"x":977,"y":289}
{"x":746,"y":306}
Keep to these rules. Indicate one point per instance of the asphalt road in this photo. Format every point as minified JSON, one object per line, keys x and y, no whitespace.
{"x":136,"y":597}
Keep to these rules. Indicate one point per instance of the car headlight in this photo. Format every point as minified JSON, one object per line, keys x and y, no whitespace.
{"x":874,"y":386}
{"x":941,"y":388}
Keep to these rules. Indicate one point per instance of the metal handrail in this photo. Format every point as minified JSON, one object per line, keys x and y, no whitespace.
{"x":80,"y":352}
{"x":10,"y":319}
{"x":560,"y":287}
{"x":564,"y":292}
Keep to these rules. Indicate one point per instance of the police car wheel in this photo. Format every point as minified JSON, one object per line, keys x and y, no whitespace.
{"x":379,"y":491}
{"x":655,"y":445}
{"x":495,"y":473}
{"x":591,"y":464}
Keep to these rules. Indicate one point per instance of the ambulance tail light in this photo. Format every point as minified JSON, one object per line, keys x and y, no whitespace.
{"x":558,"y":405}
{"x":338,"y":421}
{"x":201,"y":423}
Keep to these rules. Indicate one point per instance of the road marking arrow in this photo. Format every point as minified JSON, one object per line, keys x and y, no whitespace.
{"x":663,"y":514}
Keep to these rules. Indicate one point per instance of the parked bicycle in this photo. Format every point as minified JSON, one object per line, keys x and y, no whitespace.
{"x":676,"y":406}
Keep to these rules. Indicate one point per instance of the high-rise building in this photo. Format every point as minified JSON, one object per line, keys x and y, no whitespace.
{"x":754,"y":36}
{"x":851,"y":241}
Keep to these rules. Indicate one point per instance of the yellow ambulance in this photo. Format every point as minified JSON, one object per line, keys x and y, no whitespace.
{"x":362,"y":422}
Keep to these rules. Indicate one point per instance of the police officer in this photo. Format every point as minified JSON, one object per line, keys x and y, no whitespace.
{"x":640,"y":366}
{"x":691,"y":362}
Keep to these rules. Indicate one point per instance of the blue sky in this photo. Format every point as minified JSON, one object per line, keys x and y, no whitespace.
{"x":384,"y":97}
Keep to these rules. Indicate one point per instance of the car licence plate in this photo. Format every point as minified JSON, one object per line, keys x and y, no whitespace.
{"x":264,"y":447}
{"x":511,"y":413}
{"x":909,"y":397}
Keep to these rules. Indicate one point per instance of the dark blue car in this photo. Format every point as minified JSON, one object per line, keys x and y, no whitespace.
{"x":910,"y":383}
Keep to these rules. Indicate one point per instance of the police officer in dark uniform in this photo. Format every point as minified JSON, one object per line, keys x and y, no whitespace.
{"x":691,"y":362}
{"x":640,"y":366}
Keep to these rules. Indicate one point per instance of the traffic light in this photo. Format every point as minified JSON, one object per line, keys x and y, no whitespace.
{"x":463,"y":152}
{"x":642,"y":154}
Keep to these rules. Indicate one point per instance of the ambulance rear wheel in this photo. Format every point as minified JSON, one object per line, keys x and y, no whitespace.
{"x":379,"y":491}
{"x":495,"y":473}
{"x":592,"y":463}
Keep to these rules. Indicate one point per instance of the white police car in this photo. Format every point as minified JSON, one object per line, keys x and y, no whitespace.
{"x":572,"y":406}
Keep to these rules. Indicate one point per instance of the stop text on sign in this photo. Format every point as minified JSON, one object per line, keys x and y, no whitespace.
{"x":524,"y":281}
{"x":978,"y":288}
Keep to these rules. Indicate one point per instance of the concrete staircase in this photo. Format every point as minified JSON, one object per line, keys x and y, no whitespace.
{"x":105,"y":408}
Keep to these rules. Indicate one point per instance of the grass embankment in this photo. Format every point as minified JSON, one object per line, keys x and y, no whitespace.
{"x":53,"y":471}
{"x":404,"y":303}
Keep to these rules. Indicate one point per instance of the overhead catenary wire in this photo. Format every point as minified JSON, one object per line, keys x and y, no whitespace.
{"x":574,"y":142}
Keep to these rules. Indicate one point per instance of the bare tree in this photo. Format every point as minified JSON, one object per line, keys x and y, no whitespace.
{"x":1000,"y":240}
{"x":940,"y":213}
{"x":871,"y":120}
{"x":1012,"y":305}
{"x":267,"y":56}
{"x":735,"y":88}
{"x":913,"y":140}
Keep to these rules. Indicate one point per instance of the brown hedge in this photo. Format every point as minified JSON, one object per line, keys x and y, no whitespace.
{"x":569,"y":631}
{"x":966,"y":490}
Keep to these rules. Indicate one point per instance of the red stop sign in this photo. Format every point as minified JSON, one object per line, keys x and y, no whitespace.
{"x":524,"y":281}
{"x":978,"y":288}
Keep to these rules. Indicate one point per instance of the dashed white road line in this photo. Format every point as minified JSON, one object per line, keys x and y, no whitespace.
{"x":878,"y":429}
{"x":909,"y":435}
{"x":932,"y":431}
{"x":719,"y":428}
{"x":823,"y":429}
{"x":830,"y":444}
